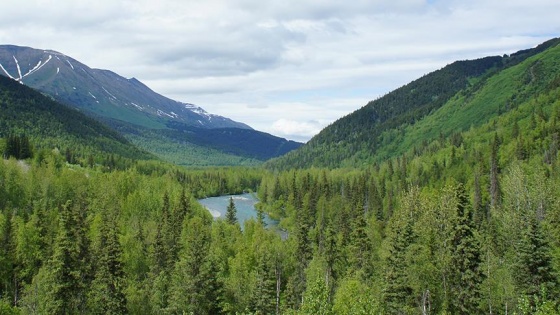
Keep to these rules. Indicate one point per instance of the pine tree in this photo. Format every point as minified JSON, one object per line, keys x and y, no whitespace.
{"x":494,"y":170}
{"x":263,"y":299}
{"x":161,"y":260}
{"x":231,"y":212}
{"x":359,"y":246}
{"x":466,"y":260}
{"x":533,"y":267}
{"x":68,"y":268}
{"x":193,"y":281}
{"x":398,"y":292}
{"x":107,"y":290}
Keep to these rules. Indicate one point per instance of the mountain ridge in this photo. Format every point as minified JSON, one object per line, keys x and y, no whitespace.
{"x":100,"y":90}
{"x":52,"y":125}
{"x":371,"y":133}
{"x":152,"y":121}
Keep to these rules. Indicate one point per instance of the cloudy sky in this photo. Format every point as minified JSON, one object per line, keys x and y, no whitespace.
{"x":286,"y":67}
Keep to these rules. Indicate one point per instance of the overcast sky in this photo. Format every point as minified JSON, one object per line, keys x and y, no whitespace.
{"x":285,"y":67}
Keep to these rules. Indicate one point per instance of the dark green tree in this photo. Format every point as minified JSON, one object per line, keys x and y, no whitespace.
{"x":193,"y":281}
{"x":107,"y":295}
{"x":397,"y":293}
{"x":263,"y":299}
{"x":466,"y":260}
{"x":533,"y":267}
{"x":161,"y":259}
{"x":231,"y":212}
{"x":68,"y":270}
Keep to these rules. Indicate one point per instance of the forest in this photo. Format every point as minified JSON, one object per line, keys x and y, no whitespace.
{"x":468,"y":224}
{"x":460,"y":221}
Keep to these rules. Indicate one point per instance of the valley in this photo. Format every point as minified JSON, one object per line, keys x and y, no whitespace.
{"x":440,"y":197}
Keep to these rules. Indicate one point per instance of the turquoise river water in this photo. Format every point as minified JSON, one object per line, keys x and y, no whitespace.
{"x":245,"y":205}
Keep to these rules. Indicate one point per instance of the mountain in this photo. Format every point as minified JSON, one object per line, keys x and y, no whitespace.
{"x":441,"y":104}
{"x":178,"y":132}
{"x":49,"y":124}
{"x":102,"y":92}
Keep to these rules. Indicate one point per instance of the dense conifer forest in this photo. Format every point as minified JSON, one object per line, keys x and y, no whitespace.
{"x":464,"y":221}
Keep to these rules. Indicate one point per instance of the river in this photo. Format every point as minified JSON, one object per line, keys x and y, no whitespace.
{"x":245,"y":205}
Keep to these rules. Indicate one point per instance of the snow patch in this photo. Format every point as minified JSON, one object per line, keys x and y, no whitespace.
{"x":18,"y":68}
{"x":20,"y":77}
{"x":37,"y":67}
{"x":6,"y":72}
{"x":71,"y":66}
{"x":162,"y":113}
{"x":111,"y":95}
{"x":57,"y":70}
{"x":137,"y":106}
{"x":92,"y":95}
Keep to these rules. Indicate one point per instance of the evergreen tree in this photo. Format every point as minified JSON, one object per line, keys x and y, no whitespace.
{"x":494,"y":170}
{"x":533,"y":267}
{"x":68,"y":268}
{"x":193,"y":281}
{"x":231,"y":212}
{"x":359,"y":246}
{"x":161,"y":259}
{"x":107,"y":290}
{"x":466,"y":260}
{"x":398,"y":291}
{"x":263,"y":299}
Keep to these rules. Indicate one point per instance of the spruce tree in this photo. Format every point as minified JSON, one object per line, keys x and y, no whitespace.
{"x":161,"y":260}
{"x":231,"y":212}
{"x":68,"y":268}
{"x":466,"y":260}
{"x":107,"y":290}
{"x":263,"y":300}
{"x":398,"y":291}
{"x":193,"y":281}
{"x":533,"y":267}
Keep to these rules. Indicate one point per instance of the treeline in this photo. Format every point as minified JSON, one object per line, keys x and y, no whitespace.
{"x":87,"y":240}
{"x":48,"y":124}
{"x":463,"y":225}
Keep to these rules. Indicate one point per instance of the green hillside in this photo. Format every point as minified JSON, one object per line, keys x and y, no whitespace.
{"x":456,"y":212}
{"x":49,"y":125}
{"x":452,"y":99}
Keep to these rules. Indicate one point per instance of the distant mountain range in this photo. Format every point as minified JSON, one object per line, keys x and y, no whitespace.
{"x":101,"y":91}
{"x":140,"y":114}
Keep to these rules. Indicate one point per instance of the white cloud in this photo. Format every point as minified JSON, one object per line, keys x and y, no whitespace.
{"x":295,"y":65}
{"x":291,"y":128}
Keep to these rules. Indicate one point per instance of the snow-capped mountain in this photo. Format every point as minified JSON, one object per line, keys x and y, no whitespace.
{"x":101,"y":92}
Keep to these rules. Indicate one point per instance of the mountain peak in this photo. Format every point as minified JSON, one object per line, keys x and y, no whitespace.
{"x":101,"y":92}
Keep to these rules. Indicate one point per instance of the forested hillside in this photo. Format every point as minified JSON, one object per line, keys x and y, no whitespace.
{"x":176,"y":132}
{"x":465,"y":224}
{"x":50,"y":125}
{"x":468,"y":224}
{"x":481,"y":89}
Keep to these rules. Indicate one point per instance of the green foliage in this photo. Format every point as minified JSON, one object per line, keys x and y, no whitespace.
{"x":453,"y":99}
{"x":354,"y":297}
{"x":464,"y":225}
{"x":48,"y":124}
{"x":231,"y":212}
{"x":17,"y":147}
